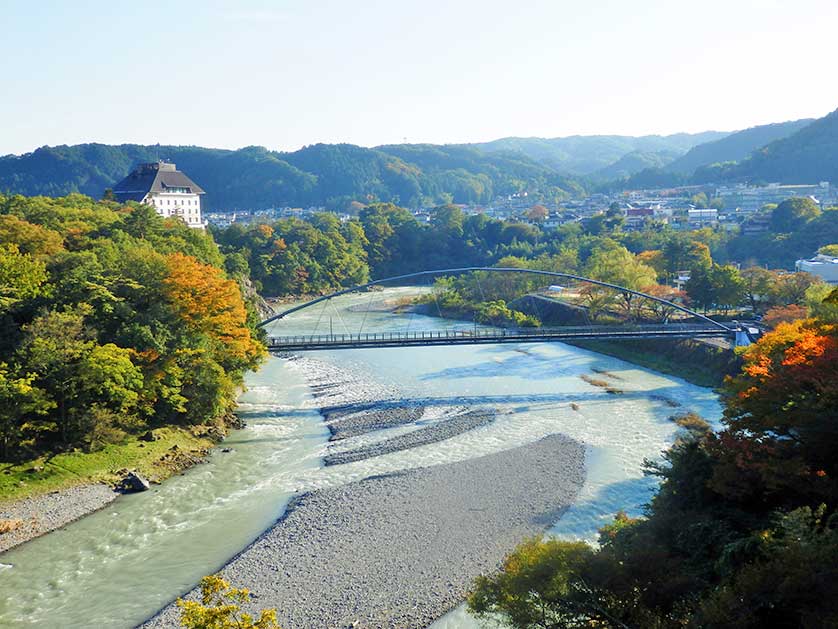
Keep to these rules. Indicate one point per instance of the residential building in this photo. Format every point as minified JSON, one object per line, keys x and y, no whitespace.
{"x":703,"y":217}
{"x":165,"y":188}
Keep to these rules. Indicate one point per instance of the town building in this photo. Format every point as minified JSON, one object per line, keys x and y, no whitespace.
{"x":704,"y":217}
{"x":825,"y":267}
{"x":165,"y":188}
{"x":752,"y":198}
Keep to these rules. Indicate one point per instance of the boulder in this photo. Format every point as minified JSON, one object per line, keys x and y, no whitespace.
{"x":134,"y":482}
{"x":148,"y":436}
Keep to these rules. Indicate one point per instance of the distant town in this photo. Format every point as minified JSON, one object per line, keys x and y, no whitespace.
{"x":686,"y":207}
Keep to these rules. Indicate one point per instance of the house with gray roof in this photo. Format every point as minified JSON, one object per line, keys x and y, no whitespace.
{"x":164,"y":187}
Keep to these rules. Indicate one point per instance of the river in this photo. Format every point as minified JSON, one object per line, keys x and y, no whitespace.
{"x":118,"y":566}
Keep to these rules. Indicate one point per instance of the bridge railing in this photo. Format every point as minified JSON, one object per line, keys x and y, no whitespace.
{"x":487,"y":332}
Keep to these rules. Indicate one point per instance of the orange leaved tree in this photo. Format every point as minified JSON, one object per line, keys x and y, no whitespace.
{"x":213,"y":310}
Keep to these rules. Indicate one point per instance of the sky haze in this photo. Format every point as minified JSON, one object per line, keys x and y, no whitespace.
{"x":288,"y":73}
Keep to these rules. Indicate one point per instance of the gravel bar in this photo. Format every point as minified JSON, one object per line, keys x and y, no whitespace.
{"x":41,"y":514}
{"x":441,"y":430}
{"x":368,"y":421}
{"x":398,"y":551}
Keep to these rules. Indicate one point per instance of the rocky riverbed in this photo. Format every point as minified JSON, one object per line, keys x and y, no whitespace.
{"x":399,"y":550}
{"x":31,"y":517}
{"x":446,"y":428}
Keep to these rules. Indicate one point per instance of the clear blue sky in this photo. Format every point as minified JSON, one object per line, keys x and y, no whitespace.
{"x":287,"y":73}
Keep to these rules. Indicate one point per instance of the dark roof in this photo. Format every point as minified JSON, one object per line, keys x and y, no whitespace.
{"x":155,"y":177}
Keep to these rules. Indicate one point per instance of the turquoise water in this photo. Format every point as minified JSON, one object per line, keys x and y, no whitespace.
{"x":118,"y":566}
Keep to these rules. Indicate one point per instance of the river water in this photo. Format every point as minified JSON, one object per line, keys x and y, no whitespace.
{"x":118,"y":566}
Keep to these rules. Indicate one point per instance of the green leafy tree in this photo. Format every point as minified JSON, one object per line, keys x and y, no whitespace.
{"x":793,"y":213}
{"x":22,"y":277}
{"x":20,"y":400}
{"x":759,"y":284}
{"x":615,"y":264}
{"x":728,"y":286}
{"x":540,"y":586}
{"x":716,"y":287}
{"x":55,"y":347}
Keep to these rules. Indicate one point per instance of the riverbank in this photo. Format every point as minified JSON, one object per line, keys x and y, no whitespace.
{"x":29,"y":518}
{"x":45,"y":494}
{"x":698,"y":363}
{"x":400,"y":550}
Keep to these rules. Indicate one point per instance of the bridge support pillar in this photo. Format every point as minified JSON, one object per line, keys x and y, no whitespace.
{"x":742,"y":338}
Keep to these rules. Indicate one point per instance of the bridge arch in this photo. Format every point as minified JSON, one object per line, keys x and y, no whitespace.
{"x":494,"y":269}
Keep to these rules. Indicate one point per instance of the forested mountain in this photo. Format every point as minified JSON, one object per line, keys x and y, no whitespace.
{"x":330,"y":175}
{"x":584,"y":154}
{"x":810,"y":155}
{"x":412,"y":175}
{"x":632,"y":163}
{"x":735,"y":147}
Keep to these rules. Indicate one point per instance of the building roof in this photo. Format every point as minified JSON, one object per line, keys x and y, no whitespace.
{"x":157,"y":177}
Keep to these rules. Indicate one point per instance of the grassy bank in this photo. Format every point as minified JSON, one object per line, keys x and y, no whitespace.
{"x":695,"y":362}
{"x":173,"y":450}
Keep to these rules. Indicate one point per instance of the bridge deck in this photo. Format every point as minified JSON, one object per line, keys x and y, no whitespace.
{"x":485,"y":336}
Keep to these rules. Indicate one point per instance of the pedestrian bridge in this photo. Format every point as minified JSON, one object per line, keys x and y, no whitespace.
{"x":485,"y":336}
{"x":694,"y":325}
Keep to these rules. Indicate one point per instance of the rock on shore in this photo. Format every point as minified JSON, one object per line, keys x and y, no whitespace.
{"x":42,"y":514}
{"x":398,"y":551}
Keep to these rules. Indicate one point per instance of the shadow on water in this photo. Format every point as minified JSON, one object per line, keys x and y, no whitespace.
{"x":516,"y":365}
{"x":488,"y":400}
{"x":630,"y":495}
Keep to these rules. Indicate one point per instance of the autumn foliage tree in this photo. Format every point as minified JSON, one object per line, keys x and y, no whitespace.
{"x":743,"y":531}
{"x":112,"y":320}
{"x":211,"y":306}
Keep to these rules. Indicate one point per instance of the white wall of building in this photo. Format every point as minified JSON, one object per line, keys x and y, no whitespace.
{"x":183,"y":205}
{"x":825,"y":267}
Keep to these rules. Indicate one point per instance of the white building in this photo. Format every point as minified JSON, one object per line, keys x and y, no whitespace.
{"x":825,"y":267}
{"x":703,"y":217}
{"x":166,"y":188}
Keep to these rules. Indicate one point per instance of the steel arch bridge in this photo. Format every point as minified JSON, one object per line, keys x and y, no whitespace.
{"x":704,"y":326}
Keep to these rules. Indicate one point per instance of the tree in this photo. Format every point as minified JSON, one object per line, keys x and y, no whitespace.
{"x":615,"y":264}
{"x":792,"y":213}
{"x":784,"y":314}
{"x":829,"y":250}
{"x":716,"y":286}
{"x":22,"y":277}
{"x":790,"y":288}
{"x":212,"y":306}
{"x":538,"y":213}
{"x":30,"y":238}
{"x":759,"y":283}
{"x":55,"y":346}
{"x":728,"y":286}
{"x":700,"y":200}
{"x":786,"y":394}
{"x":220,"y":608}
{"x":540,"y":586}
{"x":19,"y":400}
{"x":822,"y":302}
